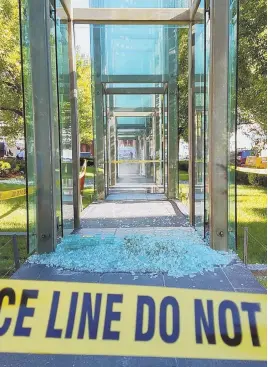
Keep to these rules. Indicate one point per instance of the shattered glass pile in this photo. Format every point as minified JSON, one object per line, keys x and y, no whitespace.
{"x":176,"y":255}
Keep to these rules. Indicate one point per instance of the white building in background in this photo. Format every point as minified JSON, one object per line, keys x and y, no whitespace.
{"x":183,"y":150}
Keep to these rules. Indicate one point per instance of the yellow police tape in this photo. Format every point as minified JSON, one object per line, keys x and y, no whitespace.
{"x":136,"y":161}
{"x":11,"y":194}
{"x":100,"y":319}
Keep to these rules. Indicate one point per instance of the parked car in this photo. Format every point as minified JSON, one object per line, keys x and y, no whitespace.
{"x":242,"y":156}
{"x":88,"y":156}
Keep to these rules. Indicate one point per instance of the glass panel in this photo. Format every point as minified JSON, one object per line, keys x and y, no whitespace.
{"x":183,"y":179}
{"x":121,"y":44}
{"x":199,"y":126}
{"x":232,"y":124}
{"x":130,"y":3}
{"x":55,"y":101}
{"x":134,"y":101}
{"x":106,"y":138}
{"x":65,"y":121}
{"x":29,"y":123}
{"x":165,"y":141}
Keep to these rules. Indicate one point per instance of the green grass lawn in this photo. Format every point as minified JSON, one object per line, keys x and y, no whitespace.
{"x":13,"y":216}
{"x":87,"y":197}
{"x":90,"y":172}
{"x":6,"y":254}
{"x":6,"y":187}
{"x":183,"y":176}
{"x":251,"y":213}
{"x":262,"y":281}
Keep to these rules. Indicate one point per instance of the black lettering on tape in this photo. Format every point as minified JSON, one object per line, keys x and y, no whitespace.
{"x":110,"y":316}
{"x":205,"y":320}
{"x":71,"y":316}
{"x":237,"y":338}
{"x":149,"y":333}
{"x":10,"y":294}
{"x":25,"y":311}
{"x":87,"y":314}
{"x":52,"y":332}
{"x":251,"y":309}
{"x":173,"y":337}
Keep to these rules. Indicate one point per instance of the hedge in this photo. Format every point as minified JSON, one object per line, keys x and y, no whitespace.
{"x":253,"y":179}
{"x":244,"y":178}
{"x":183,"y":166}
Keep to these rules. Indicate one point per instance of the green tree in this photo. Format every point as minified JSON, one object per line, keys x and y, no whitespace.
{"x":84,"y":98}
{"x":183,"y":84}
{"x":11,"y":110}
{"x":252,"y":63}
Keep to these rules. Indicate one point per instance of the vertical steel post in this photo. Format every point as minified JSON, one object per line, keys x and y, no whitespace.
{"x":191,"y":124}
{"x":113,"y":150}
{"x":218,"y":123}
{"x":16,"y":252}
{"x":75,"y":126}
{"x":44,"y":114}
{"x":246,"y":245}
{"x":98,"y":112}
{"x":172,"y":114}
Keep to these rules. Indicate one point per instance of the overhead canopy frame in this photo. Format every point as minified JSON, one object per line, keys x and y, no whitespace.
{"x":132,"y":15}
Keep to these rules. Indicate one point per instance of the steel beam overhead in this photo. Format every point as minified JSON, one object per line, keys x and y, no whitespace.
{"x":135,"y":78}
{"x":67,"y":6}
{"x":139,"y":109}
{"x":131,"y":114}
{"x":130,"y":127}
{"x":155,"y":90}
{"x":194,"y":11}
{"x":134,"y":15}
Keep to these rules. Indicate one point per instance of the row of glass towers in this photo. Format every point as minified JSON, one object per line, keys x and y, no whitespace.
{"x":165,"y":79}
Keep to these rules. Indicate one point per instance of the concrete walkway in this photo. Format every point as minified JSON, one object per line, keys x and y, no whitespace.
{"x":234,"y":278}
{"x":120,"y":217}
{"x":133,"y":210}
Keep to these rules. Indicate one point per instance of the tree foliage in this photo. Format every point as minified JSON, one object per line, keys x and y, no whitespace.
{"x":252,"y":63}
{"x":84,"y":99}
{"x":11,"y":110}
{"x":183,"y":84}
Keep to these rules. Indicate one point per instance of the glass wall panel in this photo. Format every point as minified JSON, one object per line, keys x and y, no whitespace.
{"x":165,"y":141}
{"x":134,"y":101}
{"x":29,"y":123}
{"x":232,"y":87}
{"x":65,"y":120}
{"x":183,"y":79}
{"x":199,"y":119}
{"x":55,"y":101}
{"x":121,"y":44}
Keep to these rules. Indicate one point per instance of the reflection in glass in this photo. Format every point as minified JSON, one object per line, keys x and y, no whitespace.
{"x":56,"y":150}
{"x":199,"y":119}
{"x":183,"y":179}
{"x":65,"y":120}
{"x":29,"y":124}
